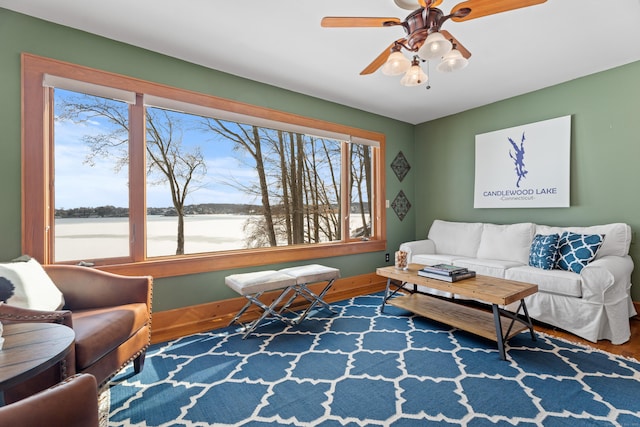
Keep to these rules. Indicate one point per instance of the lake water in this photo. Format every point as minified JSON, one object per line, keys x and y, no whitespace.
{"x":92,"y":238}
{"x":95,"y":238}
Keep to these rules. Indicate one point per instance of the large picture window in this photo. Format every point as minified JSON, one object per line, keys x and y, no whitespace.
{"x":138,"y":174}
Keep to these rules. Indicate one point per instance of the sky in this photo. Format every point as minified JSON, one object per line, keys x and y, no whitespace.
{"x":79,"y":184}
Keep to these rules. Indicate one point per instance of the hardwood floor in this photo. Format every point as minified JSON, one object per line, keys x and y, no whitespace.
{"x":629,"y":349}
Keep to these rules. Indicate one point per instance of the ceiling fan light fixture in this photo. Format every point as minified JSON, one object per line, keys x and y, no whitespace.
{"x":414,"y":76}
{"x":435,"y":46}
{"x":407,"y":4}
{"x":425,"y":39}
{"x":452,"y":61}
{"x":396,"y":64}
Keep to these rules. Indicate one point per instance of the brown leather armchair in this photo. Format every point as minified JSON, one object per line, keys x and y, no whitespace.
{"x":110,"y":315}
{"x":71,"y":403}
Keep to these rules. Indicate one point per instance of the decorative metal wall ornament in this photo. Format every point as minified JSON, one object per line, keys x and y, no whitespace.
{"x":401,"y":205}
{"x":400,"y":166}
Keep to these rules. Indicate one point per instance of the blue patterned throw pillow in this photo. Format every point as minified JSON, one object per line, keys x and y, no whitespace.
{"x":575,"y":251}
{"x":544,"y":251}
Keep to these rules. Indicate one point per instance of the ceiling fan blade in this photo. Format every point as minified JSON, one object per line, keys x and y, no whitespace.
{"x":346,"y":21}
{"x":380,"y":59}
{"x":481,"y":8}
{"x":463,"y":50}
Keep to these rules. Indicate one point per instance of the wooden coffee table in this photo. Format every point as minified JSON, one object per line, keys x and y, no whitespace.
{"x":498,"y":325}
{"x":31,"y":348}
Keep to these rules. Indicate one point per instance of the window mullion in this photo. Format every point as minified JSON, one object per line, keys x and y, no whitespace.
{"x":48,"y":158}
{"x":137,"y":180}
{"x":345,"y":190}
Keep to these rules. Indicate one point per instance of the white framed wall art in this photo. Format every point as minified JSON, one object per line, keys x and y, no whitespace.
{"x":524,"y":166}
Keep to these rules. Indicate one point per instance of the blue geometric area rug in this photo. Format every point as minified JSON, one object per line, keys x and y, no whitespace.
{"x":362,"y":368}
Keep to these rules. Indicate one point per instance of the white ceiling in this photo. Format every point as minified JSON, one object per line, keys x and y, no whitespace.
{"x":280,"y":42}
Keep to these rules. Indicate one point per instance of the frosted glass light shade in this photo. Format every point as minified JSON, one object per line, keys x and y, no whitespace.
{"x":396,"y":64}
{"x":414,"y":77}
{"x":435,"y":46}
{"x":452,"y":61}
{"x":407,"y":4}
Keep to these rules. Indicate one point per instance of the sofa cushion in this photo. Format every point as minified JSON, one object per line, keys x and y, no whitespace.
{"x":25,"y":284}
{"x":99,"y":331}
{"x":575,"y":251}
{"x":617,"y":236}
{"x":431,"y":259}
{"x":544,"y":251}
{"x":487,"y":267}
{"x":551,"y":281}
{"x":510,"y":242}
{"x":456,"y":238}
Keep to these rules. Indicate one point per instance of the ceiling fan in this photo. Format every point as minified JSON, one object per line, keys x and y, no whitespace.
{"x":425,"y":39}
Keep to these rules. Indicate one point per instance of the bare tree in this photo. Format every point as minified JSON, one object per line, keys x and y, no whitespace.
{"x":285,"y":177}
{"x":168,"y":160}
{"x":304,"y":172}
{"x":177,"y":166}
{"x":327,"y":189}
{"x":298,"y":183}
{"x":361,"y":184}
{"x":248,"y":138}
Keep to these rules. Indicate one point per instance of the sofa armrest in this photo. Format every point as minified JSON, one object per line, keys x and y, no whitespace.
{"x":607,"y":280}
{"x":13,"y":314}
{"x":87,"y":288}
{"x":417,"y":247}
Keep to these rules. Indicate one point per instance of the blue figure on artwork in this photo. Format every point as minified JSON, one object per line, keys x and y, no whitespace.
{"x":518,"y":158}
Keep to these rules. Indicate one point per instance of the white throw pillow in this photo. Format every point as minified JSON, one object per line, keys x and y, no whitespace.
{"x":510,"y":242}
{"x":27,"y":285}
{"x":456,"y":238}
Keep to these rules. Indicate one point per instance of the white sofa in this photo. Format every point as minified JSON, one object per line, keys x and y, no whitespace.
{"x":594,"y":304}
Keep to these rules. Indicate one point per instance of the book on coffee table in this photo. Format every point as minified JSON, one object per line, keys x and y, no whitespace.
{"x":468,"y":274}
{"x":444,"y":269}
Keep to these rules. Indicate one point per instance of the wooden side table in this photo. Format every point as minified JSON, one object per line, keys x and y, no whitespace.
{"x":31,"y":348}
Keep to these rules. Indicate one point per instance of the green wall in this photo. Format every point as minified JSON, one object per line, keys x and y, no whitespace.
{"x":605,"y":150}
{"x":20,"y":33}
